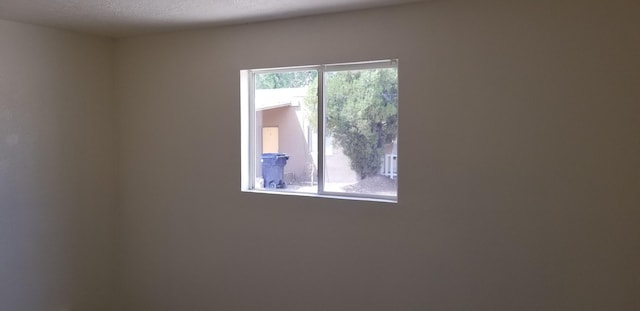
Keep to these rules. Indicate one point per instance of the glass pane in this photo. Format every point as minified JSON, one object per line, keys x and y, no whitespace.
{"x":285,"y":131}
{"x":361,"y":122}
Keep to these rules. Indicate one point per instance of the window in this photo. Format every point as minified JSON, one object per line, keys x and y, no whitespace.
{"x":325,"y":130}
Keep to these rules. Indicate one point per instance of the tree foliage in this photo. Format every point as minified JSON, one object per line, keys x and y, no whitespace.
{"x":278,"y":80}
{"x":361,"y":114}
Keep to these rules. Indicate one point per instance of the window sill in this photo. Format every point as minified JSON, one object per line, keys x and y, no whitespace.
{"x":350,"y":197}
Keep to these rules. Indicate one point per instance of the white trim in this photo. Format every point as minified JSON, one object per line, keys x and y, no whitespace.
{"x":273,"y":107}
{"x":252,"y":131}
{"x":391,"y":63}
{"x":387,"y":63}
{"x":248,"y":134}
{"x":330,"y":195}
{"x":245,"y":126}
{"x":286,"y":69}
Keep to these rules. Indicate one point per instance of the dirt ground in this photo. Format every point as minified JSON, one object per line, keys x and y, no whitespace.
{"x":374,"y":185}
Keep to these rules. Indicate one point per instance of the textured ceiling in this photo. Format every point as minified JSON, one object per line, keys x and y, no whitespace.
{"x":120,"y":18}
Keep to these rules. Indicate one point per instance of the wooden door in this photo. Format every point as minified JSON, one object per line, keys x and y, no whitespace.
{"x":269,"y":140}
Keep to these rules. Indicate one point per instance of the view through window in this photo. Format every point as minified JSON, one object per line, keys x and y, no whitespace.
{"x":329,"y":129}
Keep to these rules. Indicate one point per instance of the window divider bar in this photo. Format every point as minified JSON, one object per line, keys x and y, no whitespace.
{"x":321,"y":130}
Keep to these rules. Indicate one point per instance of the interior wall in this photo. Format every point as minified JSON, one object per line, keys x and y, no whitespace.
{"x":519,"y":164}
{"x":57,"y":170}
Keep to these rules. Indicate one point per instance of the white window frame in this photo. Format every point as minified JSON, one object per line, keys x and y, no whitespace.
{"x":248,"y":128}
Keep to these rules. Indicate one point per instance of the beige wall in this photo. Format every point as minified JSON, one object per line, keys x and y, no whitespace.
{"x":520,"y":166}
{"x":57,"y":172}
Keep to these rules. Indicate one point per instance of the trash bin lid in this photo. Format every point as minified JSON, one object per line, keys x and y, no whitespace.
{"x":274,"y":155}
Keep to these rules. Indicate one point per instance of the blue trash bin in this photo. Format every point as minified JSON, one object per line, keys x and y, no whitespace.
{"x":273,"y":169}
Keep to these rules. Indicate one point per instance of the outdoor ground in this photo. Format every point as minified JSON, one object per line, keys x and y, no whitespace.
{"x":377,"y":185}
{"x":374,"y":185}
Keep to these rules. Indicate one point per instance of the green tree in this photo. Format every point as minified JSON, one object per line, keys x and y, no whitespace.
{"x":278,"y":80}
{"x":361,"y":111}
